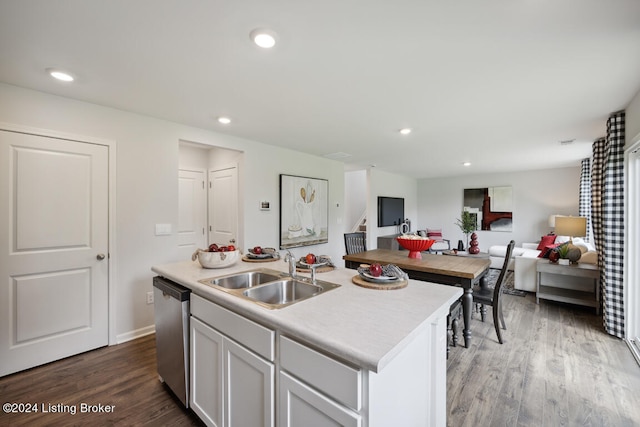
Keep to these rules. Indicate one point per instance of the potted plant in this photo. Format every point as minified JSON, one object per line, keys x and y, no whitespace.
{"x":467,"y":224}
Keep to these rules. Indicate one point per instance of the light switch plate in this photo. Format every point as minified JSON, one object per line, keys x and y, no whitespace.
{"x":163,"y":229}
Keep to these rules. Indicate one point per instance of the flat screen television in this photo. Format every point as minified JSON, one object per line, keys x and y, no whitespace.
{"x":390,"y":211}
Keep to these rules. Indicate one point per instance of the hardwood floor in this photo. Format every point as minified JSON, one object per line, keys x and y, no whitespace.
{"x":556,"y":367}
{"x":124,"y":376}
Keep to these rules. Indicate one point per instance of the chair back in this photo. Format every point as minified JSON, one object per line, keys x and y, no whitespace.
{"x":355,"y":242}
{"x":497,"y":290}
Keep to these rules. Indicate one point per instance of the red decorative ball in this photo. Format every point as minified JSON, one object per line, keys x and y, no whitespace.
{"x":474,"y":250}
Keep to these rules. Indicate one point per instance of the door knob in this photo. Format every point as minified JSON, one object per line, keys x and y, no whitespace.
{"x":100,"y":257}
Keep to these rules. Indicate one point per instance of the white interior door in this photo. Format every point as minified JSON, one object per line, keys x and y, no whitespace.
{"x":54,"y":255}
{"x":192,"y":212}
{"x":223,"y":205}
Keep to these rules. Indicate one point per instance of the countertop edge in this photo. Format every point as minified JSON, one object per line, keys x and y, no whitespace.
{"x":282,"y":322}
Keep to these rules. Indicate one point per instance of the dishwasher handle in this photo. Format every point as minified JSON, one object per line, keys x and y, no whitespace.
{"x":172,"y":289}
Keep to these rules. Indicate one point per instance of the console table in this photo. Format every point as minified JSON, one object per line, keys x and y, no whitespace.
{"x":389,"y":242}
{"x":573,"y":283}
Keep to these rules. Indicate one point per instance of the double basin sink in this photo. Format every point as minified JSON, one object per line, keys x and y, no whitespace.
{"x":269,"y":288}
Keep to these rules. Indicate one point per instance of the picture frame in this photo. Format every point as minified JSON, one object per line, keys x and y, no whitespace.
{"x":304,"y":211}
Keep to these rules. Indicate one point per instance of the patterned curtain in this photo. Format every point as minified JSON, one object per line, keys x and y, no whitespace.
{"x":584,"y":209}
{"x":607,"y":213}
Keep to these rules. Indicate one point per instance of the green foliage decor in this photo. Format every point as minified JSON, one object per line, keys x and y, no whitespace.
{"x":563,"y":250}
{"x":467,"y":224}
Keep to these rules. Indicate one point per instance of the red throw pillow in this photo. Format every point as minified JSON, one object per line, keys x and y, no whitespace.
{"x":434,"y":234}
{"x":544,"y":253}
{"x":545,"y":241}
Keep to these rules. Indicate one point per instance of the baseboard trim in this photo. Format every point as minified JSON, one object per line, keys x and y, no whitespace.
{"x":138,"y":333}
{"x":634,"y":346}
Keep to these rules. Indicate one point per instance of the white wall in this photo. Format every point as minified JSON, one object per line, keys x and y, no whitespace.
{"x":536,"y":195}
{"x":147,"y":188}
{"x":355,"y":193}
{"x":386,"y":184}
{"x":632,"y":120}
{"x":193,"y":157}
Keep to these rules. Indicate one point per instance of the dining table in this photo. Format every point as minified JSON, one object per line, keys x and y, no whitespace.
{"x":466,"y":272}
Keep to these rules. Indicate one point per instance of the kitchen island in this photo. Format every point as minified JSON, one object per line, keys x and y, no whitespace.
{"x":391,"y":343}
{"x":449,"y":270}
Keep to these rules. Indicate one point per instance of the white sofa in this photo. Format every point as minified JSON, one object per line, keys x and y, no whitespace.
{"x":526,"y":257}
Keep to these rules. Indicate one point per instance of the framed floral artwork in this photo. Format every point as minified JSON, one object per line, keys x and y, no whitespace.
{"x":304,"y":211}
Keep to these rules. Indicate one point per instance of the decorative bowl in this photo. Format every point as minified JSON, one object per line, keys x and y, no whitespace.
{"x":217,"y":259}
{"x":415,"y":245}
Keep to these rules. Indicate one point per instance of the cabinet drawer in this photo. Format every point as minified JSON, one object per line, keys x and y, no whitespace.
{"x":337,"y":380}
{"x":244,"y":331}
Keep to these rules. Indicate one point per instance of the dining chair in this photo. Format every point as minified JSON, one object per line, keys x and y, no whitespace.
{"x":441,"y":244}
{"x":493,"y":297}
{"x":355,"y":242}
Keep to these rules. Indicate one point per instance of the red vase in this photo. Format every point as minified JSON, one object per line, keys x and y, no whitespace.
{"x":474,"y":249}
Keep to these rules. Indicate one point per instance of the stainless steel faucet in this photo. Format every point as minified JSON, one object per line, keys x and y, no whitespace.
{"x":292,"y":263}
{"x":313,"y":273}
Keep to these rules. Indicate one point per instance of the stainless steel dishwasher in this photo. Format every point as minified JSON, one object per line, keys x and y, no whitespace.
{"x":172,"y":335}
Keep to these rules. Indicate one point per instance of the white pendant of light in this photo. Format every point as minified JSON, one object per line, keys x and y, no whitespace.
{"x":264,"y":38}
{"x":63,"y":76}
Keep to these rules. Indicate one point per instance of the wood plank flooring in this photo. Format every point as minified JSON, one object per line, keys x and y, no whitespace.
{"x":124,"y":376}
{"x":556,"y":367}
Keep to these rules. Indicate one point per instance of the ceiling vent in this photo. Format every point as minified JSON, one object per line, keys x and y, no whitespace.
{"x":337,"y":156}
{"x":567,"y":141}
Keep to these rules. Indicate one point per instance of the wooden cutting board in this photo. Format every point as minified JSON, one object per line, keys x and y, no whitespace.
{"x":380,"y":286}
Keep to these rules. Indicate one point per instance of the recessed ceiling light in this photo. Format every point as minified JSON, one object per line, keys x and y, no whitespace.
{"x":264,"y":38}
{"x":63,"y":76}
{"x":466,"y":164}
{"x":405,"y":131}
{"x":567,"y":141}
{"x":224,"y":120}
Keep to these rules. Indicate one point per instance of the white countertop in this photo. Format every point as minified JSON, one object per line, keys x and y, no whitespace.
{"x":366,"y":327}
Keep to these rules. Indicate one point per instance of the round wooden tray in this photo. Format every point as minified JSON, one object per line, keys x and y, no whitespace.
{"x":370,"y":285}
{"x":247,"y":259}
{"x":322,"y":269}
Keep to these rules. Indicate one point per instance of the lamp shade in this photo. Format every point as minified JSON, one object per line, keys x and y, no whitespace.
{"x":552,"y":220}
{"x":572,"y":226}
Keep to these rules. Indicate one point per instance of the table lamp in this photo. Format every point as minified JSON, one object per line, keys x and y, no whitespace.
{"x":572,"y":226}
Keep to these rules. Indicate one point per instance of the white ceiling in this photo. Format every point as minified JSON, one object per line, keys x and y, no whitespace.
{"x":495,"y":82}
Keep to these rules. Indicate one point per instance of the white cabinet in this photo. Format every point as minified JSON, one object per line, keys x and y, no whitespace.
{"x":249,"y":382}
{"x":231,"y":385}
{"x":301,"y":405}
{"x":233,"y":378}
{"x":317,"y":390}
{"x":206,"y":373}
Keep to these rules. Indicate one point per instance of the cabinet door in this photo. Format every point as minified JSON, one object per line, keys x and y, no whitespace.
{"x":301,"y":406}
{"x":206,"y":373}
{"x":249,"y":388}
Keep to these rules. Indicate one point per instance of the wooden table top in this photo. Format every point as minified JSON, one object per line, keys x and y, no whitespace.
{"x":465,"y":267}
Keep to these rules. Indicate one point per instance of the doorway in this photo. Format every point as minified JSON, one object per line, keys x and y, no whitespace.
{"x":632,"y":250}
{"x":218,"y":205}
